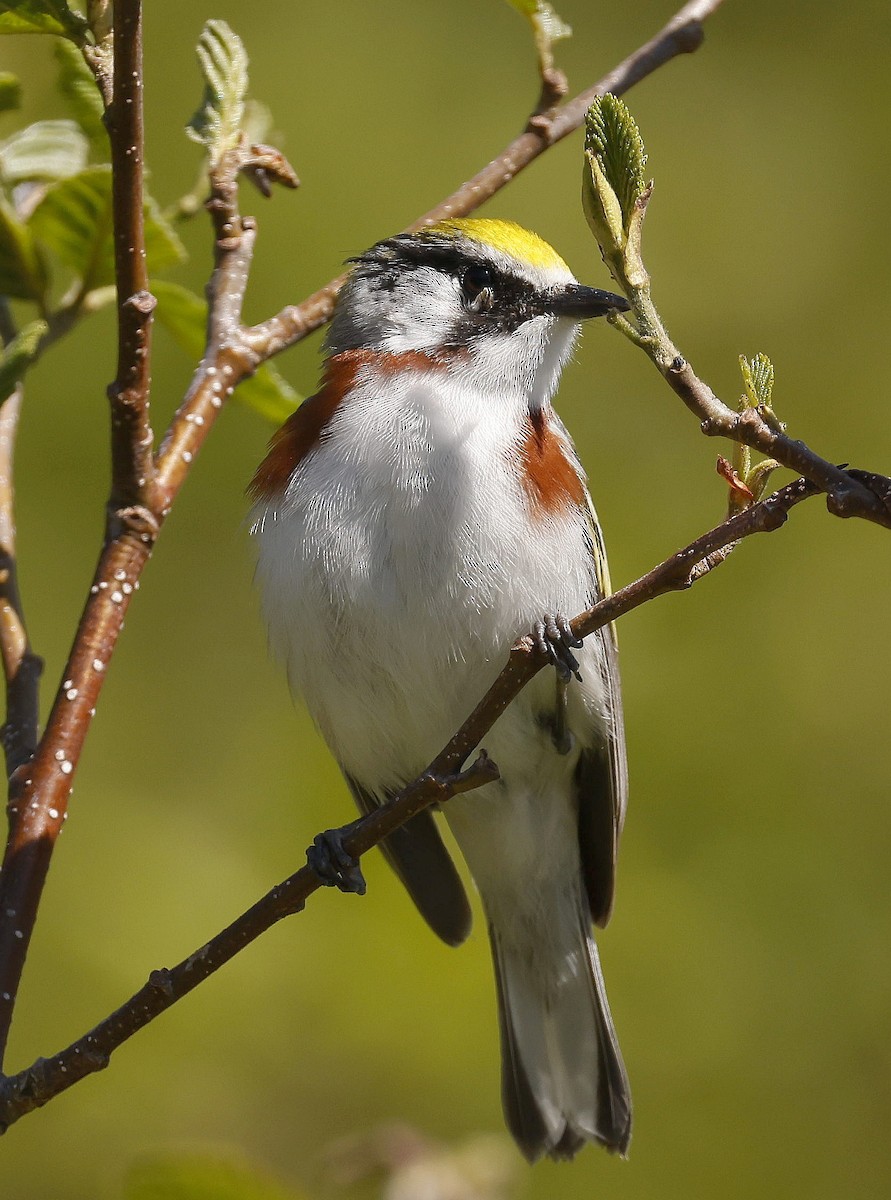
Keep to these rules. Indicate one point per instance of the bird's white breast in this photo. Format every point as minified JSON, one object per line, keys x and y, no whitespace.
{"x":401,"y":563}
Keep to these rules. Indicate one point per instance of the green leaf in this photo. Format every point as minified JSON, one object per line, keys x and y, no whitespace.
{"x":78,"y":86}
{"x":22,"y":269}
{"x":18,"y":356}
{"x":10,"y":91}
{"x":197,"y":1178}
{"x":758,"y":377}
{"x":547,"y":26}
{"x":614,"y":139}
{"x":601,"y":207}
{"x":224,"y":63}
{"x":74,"y":221}
{"x":184,"y":315}
{"x":41,"y":16}
{"x":46,"y":150}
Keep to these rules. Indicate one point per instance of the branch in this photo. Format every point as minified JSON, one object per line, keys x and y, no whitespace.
{"x":132,"y":440}
{"x":846,"y":494}
{"x":615,"y":198}
{"x":682,"y":35}
{"x":38,"y":803}
{"x":46,"y":1078}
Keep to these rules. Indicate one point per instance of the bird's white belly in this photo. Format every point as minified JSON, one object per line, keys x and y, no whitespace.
{"x":397,"y":571}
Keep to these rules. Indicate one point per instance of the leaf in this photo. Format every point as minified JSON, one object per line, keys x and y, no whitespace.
{"x":74,"y":221}
{"x":41,"y":16}
{"x":224,"y":63}
{"x":547,"y":26}
{"x":613,"y":138}
{"x":22,"y":270}
{"x":726,"y":470}
{"x":758,"y":376}
{"x":184,"y":315}
{"x":46,"y":150}
{"x":200,"y":1178}
{"x":602,"y":209}
{"x":18,"y":356}
{"x":78,"y":86}
{"x":10,"y":91}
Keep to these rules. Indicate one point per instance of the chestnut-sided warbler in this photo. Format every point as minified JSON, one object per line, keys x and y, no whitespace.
{"x":413,"y":518}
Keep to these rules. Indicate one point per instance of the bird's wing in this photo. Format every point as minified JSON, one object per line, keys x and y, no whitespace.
{"x":602,"y":772}
{"x":417,"y":854}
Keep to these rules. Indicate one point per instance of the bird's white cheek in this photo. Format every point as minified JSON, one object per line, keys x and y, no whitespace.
{"x":528,"y":361}
{"x":558,"y":344}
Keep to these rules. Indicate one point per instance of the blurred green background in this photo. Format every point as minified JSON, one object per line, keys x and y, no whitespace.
{"x":747,"y":961}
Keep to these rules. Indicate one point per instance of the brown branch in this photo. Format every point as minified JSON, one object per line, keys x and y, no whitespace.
{"x":132,"y":441}
{"x":39,"y":1083}
{"x":682,"y":35}
{"x":846,"y":495}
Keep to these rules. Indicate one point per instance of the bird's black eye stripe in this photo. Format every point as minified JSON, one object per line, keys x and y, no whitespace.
{"x":476,"y":279}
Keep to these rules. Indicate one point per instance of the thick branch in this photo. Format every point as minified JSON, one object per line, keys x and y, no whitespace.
{"x":35,"y":1086}
{"x":682,"y":35}
{"x":131,"y":434}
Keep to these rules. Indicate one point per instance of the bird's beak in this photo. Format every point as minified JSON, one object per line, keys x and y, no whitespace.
{"x":579,"y":302}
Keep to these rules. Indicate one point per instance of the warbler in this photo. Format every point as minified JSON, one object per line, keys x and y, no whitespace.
{"x":414,"y":517}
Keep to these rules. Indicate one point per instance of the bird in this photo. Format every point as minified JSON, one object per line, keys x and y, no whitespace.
{"x":413,"y":518}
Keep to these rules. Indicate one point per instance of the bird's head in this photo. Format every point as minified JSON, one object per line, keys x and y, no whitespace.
{"x":485,"y":296}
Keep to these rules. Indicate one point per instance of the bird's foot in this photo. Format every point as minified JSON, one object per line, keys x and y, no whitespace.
{"x":333,"y":864}
{"x":554,"y":637}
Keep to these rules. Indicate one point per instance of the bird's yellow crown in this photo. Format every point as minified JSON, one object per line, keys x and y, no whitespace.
{"x":505,"y":236}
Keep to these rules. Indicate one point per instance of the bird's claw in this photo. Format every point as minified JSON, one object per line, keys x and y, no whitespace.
{"x":554,"y":637}
{"x":333,"y":864}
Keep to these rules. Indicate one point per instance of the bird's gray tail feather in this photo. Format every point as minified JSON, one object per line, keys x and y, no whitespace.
{"x":563,"y":1079}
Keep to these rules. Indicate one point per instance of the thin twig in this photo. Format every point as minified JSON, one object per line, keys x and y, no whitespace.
{"x":46,"y":1078}
{"x":132,"y":442}
{"x":682,"y":35}
{"x":846,"y":496}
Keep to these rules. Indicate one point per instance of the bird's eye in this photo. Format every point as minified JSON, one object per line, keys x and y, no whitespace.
{"x":477,"y":283}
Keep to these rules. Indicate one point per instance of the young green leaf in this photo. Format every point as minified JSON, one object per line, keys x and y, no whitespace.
{"x":547,"y":26}
{"x":184,"y":315}
{"x":78,"y":86}
{"x":22,"y":269}
{"x":613,"y":138}
{"x":10,"y":91}
{"x":224,"y":63}
{"x":41,"y":16}
{"x":18,"y":356}
{"x":758,"y":378}
{"x":74,"y":222}
{"x":46,"y":150}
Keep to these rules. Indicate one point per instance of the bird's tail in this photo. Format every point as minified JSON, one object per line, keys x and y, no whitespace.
{"x":563,"y":1079}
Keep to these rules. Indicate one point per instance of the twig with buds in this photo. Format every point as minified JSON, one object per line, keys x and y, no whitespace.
{"x":615,"y":195}
{"x":444,"y":778}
